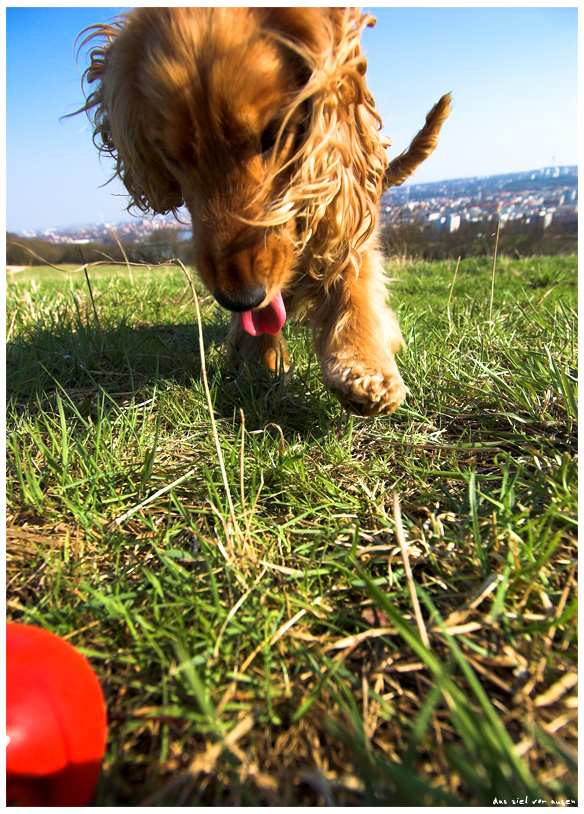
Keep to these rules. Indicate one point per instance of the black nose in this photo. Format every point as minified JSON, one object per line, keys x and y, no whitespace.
{"x":242,"y":300}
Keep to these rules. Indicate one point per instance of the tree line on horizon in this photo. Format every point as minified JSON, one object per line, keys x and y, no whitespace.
{"x":414,"y":240}
{"x":476,"y":239}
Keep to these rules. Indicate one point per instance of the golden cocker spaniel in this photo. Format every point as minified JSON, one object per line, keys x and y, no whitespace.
{"x":260,"y":121}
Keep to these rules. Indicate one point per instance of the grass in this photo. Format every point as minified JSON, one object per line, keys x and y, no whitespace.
{"x":384,"y":615}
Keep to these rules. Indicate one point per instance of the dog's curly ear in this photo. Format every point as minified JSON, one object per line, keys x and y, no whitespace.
{"x":340,"y":165}
{"x":116,"y":113}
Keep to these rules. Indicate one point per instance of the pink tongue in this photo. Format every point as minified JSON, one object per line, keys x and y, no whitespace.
{"x":265,"y":320}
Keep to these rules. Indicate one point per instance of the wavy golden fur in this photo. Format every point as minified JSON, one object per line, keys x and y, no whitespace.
{"x":260,"y":122}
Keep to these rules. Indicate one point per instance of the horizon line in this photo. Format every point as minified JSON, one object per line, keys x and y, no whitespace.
{"x":409,"y":182}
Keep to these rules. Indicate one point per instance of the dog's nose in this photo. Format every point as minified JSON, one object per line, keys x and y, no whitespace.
{"x":243,"y":300}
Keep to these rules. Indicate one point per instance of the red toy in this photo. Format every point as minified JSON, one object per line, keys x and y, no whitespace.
{"x":55,"y":720}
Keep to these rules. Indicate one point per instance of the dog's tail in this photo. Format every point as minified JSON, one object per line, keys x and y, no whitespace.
{"x":423,"y":144}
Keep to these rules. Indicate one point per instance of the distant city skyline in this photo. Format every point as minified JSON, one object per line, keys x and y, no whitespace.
{"x":411,"y":185}
{"x":543,"y":196}
{"x":512,"y":73}
{"x":549,"y":193}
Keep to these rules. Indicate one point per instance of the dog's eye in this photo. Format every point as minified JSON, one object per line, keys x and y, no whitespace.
{"x":173,"y":162}
{"x":268,"y":137}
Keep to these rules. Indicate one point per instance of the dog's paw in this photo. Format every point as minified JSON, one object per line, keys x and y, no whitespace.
{"x":363,"y":390}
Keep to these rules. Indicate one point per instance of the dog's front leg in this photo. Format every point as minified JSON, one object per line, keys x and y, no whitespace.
{"x":356,"y":337}
{"x":266,"y":350}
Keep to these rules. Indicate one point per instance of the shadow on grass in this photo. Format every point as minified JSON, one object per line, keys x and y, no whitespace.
{"x":114,"y":359}
{"x":126,"y":362}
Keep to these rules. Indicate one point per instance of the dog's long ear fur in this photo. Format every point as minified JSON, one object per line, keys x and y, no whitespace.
{"x":116,"y":112}
{"x":339,"y":169}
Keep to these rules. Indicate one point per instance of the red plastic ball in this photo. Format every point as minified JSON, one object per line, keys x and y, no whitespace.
{"x":55,"y":719}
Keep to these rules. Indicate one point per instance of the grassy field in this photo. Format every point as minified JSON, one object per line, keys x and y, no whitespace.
{"x":282,"y":612}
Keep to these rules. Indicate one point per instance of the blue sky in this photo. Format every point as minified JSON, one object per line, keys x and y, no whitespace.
{"x":512,"y":73}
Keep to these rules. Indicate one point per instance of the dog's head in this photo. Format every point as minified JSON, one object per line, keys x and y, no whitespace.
{"x":259,"y":121}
